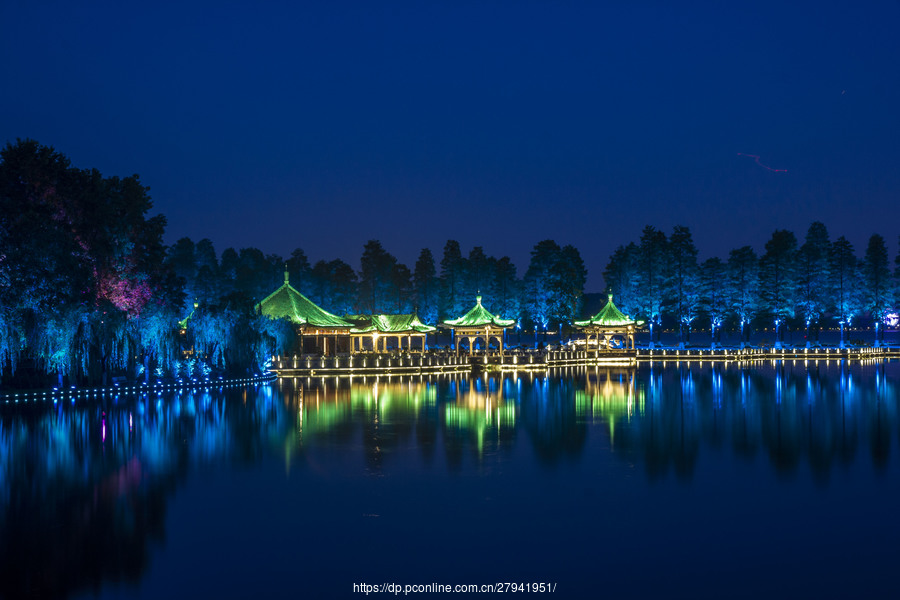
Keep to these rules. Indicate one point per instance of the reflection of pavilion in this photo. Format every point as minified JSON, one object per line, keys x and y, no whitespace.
{"x":609,"y":395}
{"x":480,"y":409}
{"x":479,"y":323}
{"x":382,"y":327}
{"x":320,"y":331}
{"x":611,"y":325}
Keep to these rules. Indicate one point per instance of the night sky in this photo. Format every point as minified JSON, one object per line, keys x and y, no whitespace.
{"x":496,"y":124}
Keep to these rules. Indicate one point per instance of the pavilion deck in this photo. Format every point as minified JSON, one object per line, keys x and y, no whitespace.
{"x":528,"y":360}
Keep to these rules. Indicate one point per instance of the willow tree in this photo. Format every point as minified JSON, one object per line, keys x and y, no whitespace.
{"x":83,"y":261}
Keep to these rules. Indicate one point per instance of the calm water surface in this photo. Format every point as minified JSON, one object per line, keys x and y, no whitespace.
{"x":663,"y":481}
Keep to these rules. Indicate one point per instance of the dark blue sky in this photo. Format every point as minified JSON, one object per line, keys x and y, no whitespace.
{"x":497,"y":124}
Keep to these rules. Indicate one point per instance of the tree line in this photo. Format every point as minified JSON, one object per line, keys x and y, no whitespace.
{"x":88,"y":289}
{"x":803,"y":286}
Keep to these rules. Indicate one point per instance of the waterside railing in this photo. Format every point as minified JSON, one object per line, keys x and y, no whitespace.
{"x":525,"y":360}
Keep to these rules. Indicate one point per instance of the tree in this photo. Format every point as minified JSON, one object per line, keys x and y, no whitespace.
{"x":453,"y":303}
{"x":713,"y":284}
{"x":778,"y":278}
{"x":554,"y":284}
{"x":81,"y":262}
{"x":876,"y":279}
{"x":402,"y":289}
{"x":542,"y":284}
{"x":812,"y":276}
{"x":333,"y":284}
{"x":621,"y":278}
{"x":684,"y":281}
{"x":505,"y":290}
{"x":376,"y":278}
{"x":573,"y":276}
{"x":299,"y":270}
{"x":845,"y":283}
{"x":426,"y":286}
{"x":743,"y":287}
{"x":652,"y":277}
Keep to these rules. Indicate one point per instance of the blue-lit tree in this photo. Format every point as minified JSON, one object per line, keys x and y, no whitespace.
{"x":845,"y":283}
{"x":506,"y":290}
{"x":813,"y":289}
{"x":453,"y":300}
{"x":778,"y":279}
{"x":743,"y":287}
{"x":714,"y":303}
{"x":652,"y":278}
{"x":683,"y":290}
{"x":877,"y":283}
{"x":333,"y":284}
{"x":427,"y":287}
{"x":622,"y":278}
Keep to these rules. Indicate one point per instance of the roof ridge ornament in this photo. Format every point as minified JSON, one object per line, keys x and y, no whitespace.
{"x":286,"y":275}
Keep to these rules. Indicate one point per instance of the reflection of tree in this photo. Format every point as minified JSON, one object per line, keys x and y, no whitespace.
{"x":86,"y":486}
{"x":548,"y":415}
{"x":815,"y":413}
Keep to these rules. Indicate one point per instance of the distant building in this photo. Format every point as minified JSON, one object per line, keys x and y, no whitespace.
{"x":610,"y":324}
{"x":379,"y":328}
{"x":320,"y":331}
{"x":479,"y":323}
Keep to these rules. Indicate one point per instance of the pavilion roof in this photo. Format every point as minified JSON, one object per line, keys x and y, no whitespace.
{"x":479,"y":316}
{"x":609,"y":316}
{"x":394,"y":324}
{"x":286,"y":302}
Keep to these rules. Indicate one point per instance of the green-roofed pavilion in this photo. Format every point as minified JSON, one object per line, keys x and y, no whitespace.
{"x":609,"y":323}
{"x":381,"y":327}
{"x":479,"y":322}
{"x":320,"y":331}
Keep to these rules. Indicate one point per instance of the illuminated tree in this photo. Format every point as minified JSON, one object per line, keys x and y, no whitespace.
{"x":713,"y":284}
{"x":541,"y":284}
{"x":553,"y":284}
{"x":426,"y":284}
{"x":299,"y":270}
{"x":333,"y":283}
{"x":402,"y":289}
{"x":376,"y":279}
{"x":778,"y":278}
{"x":684,"y":281}
{"x":844,"y":283}
{"x":652,"y":278}
{"x":876,"y":279}
{"x":505,"y":290}
{"x":478,"y":271}
{"x":81,"y":261}
{"x":743,"y":287}
{"x":812,"y":276}
{"x":621,"y":278}
{"x":453,"y":301}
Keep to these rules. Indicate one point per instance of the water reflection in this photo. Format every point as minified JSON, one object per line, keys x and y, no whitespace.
{"x":84,"y":487}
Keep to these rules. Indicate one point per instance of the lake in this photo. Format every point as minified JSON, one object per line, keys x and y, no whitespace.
{"x":668,"y":480}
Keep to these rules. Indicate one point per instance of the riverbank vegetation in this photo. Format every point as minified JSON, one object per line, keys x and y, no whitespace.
{"x":88,"y":290}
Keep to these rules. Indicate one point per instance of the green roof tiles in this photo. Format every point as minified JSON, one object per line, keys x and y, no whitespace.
{"x":479,"y":316}
{"x":394,"y":324}
{"x":609,"y":316}
{"x":286,"y":302}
